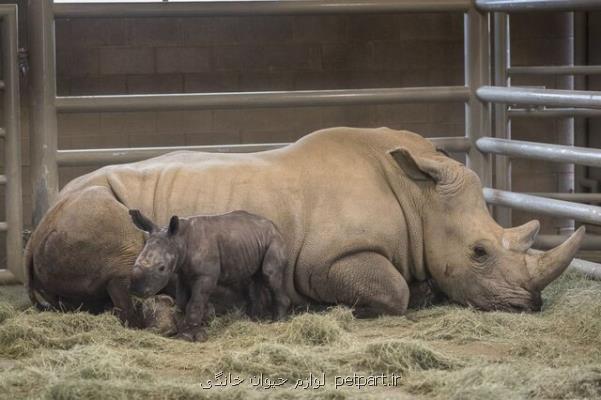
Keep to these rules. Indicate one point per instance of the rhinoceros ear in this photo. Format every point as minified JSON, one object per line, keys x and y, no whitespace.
{"x":417,"y":168}
{"x":142,"y":222}
{"x":173,"y":225}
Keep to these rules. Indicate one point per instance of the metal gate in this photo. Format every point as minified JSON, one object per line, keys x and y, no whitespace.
{"x":11,"y":134}
{"x":482,"y":150}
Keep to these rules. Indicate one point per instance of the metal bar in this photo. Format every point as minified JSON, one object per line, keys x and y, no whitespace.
{"x":541,"y":151}
{"x":590,"y":269}
{"x":12,"y":146}
{"x":7,"y":278}
{"x":554,"y":112}
{"x":542,"y":97}
{"x":477,"y":73}
{"x":1,"y":85}
{"x":577,"y":197}
{"x":241,"y":8}
{"x":556,"y":70}
{"x":502,"y":164}
{"x":580,"y":42}
{"x":309,"y":98}
{"x":537,"y":5}
{"x":125,"y":155}
{"x":91,"y":157}
{"x":541,"y":205}
{"x":452,"y":144}
{"x":43,"y":124}
{"x":590,"y":242}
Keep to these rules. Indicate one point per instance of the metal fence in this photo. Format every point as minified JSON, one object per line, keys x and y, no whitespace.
{"x":518,"y":102}
{"x":10,"y":133}
{"x":482,"y":150}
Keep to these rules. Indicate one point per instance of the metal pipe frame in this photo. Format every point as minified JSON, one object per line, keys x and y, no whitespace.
{"x":93,"y":157}
{"x":12,"y":142}
{"x":541,"y":151}
{"x":554,"y":112}
{"x":555,"y":70}
{"x":43,"y":126}
{"x":310,"y":98}
{"x":7,"y":278}
{"x":537,"y":5}
{"x":545,"y":206}
{"x":247,"y":8}
{"x":545,"y":242}
{"x":477,"y":73}
{"x":575,"y":197}
{"x":502,"y":125}
{"x":540,"y":97}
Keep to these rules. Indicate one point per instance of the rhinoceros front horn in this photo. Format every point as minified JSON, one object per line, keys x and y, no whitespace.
{"x":547,"y":266}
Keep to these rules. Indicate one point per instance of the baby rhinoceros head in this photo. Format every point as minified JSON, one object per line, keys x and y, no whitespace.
{"x":157,"y":261}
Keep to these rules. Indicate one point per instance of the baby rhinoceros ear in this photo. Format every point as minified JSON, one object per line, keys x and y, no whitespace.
{"x":173,"y":225}
{"x":142,"y":222}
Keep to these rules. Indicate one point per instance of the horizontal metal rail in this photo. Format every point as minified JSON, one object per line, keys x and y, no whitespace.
{"x":241,"y":8}
{"x":541,"y":151}
{"x":537,"y":5}
{"x":577,"y":197}
{"x":554,"y":112}
{"x":7,"y":278}
{"x":541,"y":205}
{"x":555,"y":70}
{"x":303,"y":98}
{"x":89,"y":157}
{"x":590,"y":269}
{"x":85,"y":157}
{"x":458,"y":144}
{"x":542,"y":97}
{"x":590,"y":242}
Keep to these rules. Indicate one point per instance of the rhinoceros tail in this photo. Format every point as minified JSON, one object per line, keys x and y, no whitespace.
{"x":30,"y":283}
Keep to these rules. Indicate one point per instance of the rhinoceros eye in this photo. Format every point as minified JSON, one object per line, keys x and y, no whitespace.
{"x":480,"y":253}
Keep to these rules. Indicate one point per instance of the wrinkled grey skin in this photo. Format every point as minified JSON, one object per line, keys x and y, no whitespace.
{"x":242,"y":251}
{"x":365,"y":213}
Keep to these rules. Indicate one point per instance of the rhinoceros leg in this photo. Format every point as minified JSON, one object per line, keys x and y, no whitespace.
{"x":273,"y":267}
{"x":370,"y":284}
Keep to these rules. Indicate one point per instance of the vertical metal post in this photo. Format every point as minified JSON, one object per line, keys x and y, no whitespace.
{"x":12,"y":145}
{"x":44,"y":170}
{"x":580,"y":83}
{"x":477,"y":73}
{"x":565,"y":128}
{"x":502,"y":57}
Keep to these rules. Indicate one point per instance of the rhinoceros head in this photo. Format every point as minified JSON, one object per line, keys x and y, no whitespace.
{"x":158,"y":259}
{"x":471,"y":258}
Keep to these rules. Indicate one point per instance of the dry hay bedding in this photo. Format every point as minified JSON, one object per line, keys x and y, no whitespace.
{"x":441,"y":352}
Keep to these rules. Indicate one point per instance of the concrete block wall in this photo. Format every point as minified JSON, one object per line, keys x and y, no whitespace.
{"x":182,"y":55}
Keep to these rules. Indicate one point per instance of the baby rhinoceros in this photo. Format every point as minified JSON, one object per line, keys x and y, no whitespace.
{"x":235,"y":250}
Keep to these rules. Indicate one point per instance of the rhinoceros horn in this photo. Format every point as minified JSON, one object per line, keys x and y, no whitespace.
{"x":544,"y":267}
{"x":521,"y":238}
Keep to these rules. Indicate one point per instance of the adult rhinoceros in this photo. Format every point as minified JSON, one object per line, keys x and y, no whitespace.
{"x":364,"y":212}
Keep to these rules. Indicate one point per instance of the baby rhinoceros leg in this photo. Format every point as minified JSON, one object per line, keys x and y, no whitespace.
{"x":197,"y":309}
{"x":274,"y":265}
